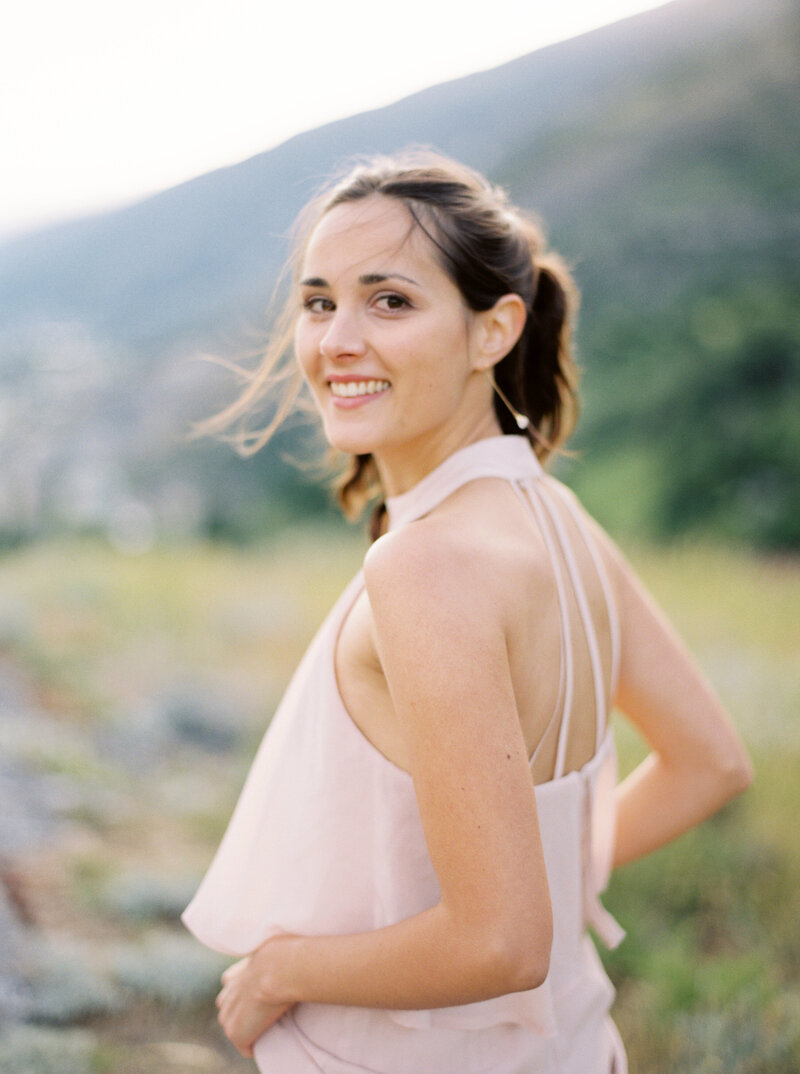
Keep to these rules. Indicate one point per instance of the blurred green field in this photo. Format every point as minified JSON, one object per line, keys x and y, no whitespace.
{"x":150,"y":679}
{"x":709,"y":976}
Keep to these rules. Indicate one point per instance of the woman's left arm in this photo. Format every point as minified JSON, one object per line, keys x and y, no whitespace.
{"x":442,"y":644}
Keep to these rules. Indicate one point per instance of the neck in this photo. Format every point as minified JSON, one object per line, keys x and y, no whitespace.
{"x":403,"y":467}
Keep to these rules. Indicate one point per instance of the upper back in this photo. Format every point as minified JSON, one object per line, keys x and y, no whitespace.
{"x":532,"y":563}
{"x":507,"y":549}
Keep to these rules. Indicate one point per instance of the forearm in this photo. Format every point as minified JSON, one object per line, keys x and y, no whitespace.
{"x":425,"y":961}
{"x":658,"y":802}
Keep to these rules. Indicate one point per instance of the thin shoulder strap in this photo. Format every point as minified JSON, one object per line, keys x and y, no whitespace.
{"x":542,"y":498}
{"x":563,"y":706}
{"x":584,"y":611}
{"x":602,"y":575}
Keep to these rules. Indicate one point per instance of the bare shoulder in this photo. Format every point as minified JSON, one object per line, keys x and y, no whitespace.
{"x":425,"y":566}
{"x":477,"y":555}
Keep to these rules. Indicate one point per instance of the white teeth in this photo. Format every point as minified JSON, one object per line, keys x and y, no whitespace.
{"x":350,"y":388}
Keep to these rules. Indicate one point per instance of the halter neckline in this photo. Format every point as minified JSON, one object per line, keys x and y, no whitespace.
{"x":507,"y":456}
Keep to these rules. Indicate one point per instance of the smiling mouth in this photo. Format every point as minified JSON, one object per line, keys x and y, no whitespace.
{"x":352,"y":389}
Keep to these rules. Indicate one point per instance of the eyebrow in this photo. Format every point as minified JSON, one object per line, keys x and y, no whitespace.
{"x":378,"y":277}
{"x":367,"y":280}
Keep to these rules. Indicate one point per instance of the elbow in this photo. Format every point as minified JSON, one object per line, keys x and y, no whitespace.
{"x":528,"y":968}
{"x":529,"y":973}
{"x":739,"y":775}
{"x":520,"y":958}
{"x":731,"y":776}
{"x":735,"y":772}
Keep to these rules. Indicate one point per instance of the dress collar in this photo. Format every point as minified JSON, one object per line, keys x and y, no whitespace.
{"x":508,"y":456}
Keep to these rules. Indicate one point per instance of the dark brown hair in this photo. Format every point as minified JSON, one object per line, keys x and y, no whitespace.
{"x":489,"y":249}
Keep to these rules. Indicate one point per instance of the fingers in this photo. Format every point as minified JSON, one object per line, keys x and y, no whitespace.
{"x":243,"y":1047}
{"x":243,"y":1018}
{"x":235,"y":969}
{"x":242,"y":1042}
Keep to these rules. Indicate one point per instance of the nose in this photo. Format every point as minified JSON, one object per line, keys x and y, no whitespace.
{"x":343,"y":336}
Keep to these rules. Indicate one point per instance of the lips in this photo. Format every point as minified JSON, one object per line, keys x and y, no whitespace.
{"x":354,"y":389}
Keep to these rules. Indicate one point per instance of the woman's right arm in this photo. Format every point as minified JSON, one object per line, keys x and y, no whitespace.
{"x":697,"y":762}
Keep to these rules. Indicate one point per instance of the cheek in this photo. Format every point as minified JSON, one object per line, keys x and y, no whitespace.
{"x":449,"y":357}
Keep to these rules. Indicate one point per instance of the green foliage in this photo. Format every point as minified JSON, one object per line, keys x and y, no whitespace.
{"x":67,"y":984}
{"x":676,"y":202}
{"x":147,"y":896}
{"x":172,"y":969}
{"x":708,"y":973}
{"x":740,"y":1038}
{"x":36,"y":1050}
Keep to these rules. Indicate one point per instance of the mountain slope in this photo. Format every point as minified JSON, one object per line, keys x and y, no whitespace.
{"x":661,"y":151}
{"x":184,"y":260}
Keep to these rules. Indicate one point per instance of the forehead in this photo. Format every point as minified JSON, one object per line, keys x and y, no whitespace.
{"x":375,"y":231}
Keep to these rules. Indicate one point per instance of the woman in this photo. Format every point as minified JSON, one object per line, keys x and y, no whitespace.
{"x":404,"y":900}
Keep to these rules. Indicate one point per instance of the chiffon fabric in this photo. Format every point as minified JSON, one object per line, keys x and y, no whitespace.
{"x":327,"y":839}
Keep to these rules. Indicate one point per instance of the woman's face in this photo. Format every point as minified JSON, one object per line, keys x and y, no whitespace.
{"x":384,"y":337}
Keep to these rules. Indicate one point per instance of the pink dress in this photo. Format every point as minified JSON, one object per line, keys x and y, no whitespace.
{"x":327,"y":839}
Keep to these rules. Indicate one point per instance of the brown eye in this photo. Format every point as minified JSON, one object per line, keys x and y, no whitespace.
{"x":318,"y":304}
{"x":392,"y":302}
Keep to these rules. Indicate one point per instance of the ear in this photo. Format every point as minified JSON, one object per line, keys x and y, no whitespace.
{"x":497,"y":330}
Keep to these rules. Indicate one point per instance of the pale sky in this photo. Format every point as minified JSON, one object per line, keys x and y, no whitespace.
{"x":105,"y":101}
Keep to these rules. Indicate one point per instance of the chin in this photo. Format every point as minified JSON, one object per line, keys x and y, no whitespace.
{"x":351,"y":442}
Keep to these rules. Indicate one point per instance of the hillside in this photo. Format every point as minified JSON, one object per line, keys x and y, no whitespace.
{"x":661,"y":151}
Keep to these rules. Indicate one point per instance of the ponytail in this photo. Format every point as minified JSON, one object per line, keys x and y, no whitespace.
{"x":540,"y":376}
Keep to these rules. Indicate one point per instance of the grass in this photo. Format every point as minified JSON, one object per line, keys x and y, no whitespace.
{"x":708,"y":978}
{"x":91,"y":623}
{"x":709,"y":975}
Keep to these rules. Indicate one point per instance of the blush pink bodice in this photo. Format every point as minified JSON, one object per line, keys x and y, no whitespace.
{"x":327,"y":839}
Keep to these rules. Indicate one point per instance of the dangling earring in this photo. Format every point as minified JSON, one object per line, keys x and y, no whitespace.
{"x":520,"y":419}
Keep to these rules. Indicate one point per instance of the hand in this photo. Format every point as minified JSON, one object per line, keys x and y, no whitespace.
{"x":243,"y":1012}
